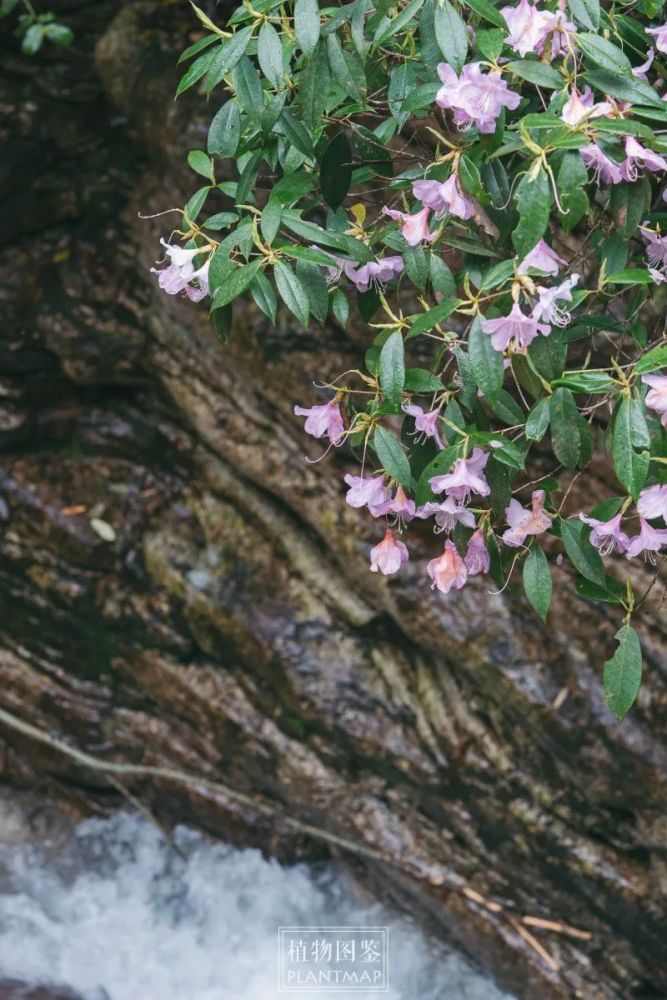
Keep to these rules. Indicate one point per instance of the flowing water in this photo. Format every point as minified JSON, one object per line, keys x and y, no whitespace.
{"x":114,"y":913}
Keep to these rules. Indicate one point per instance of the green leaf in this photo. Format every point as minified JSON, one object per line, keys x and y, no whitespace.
{"x":391,"y":369}
{"x":314,"y":83}
{"x":541,"y":74}
{"x":347,"y":245}
{"x":310,"y":276}
{"x":264,"y":296}
{"x":624,"y":88}
{"x":291,"y":291}
{"x":564,"y":430}
{"x":630,"y":442}
{"x":195,"y":204}
{"x":533,"y":202}
{"x":198,"y":46}
{"x":391,"y":25}
{"x":236,"y":284}
{"x":487,"y":362}
{"x":195,"y":72}
{"x":270,"y":220}
{"x":622,"y":675}
{"x":583,"y":556}
{"x":336,"y":170}
{"x":486,"y":10}
{"x":423,"y":322}
{"x":297,"y":134}
{"x":571,"y":182}
{"x":611,"y":593}
{"x":537,"y":421}
{"x":537,"y":581}
{"x":628,"y":204}
{"x":59,"y":34}
{"x":630,"y":276}
{"x":586,"y":13}
{"x":603,"y":53}
{"x":439,"y":466}
{"x":33,"y":38}
{"x":422,"y":380}
{"x":442,"y":279}
{"x":248,"y":88}
{"x":224,"y":134}
{"x":651,"y":361}
{"x":391,"y":456}
{"x":270,"y":54}
{"x":307,"y":24}
{"x":340,"y":306}
{"x":547,"y":355}
{"x":201,"y":163}
{"x":593,"y":382}
{"x":416,"y":265}
{"x":347,"y":69}
{"x":226,"y":57}
{"x":450,"y":32}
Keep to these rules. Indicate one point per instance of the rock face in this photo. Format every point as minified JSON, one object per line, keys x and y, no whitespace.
{"x":227,"y":626}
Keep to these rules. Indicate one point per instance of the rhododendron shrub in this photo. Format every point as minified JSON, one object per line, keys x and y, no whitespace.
{"x":482,"y":186}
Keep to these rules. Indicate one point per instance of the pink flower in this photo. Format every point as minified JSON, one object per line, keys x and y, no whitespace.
{"x":528,"y":27}
{"x":177,"y":277}
{"x":426,"y":423}
{"x":642,"y":71}
{"x":547,"y":308}
{"x":656,"y":249}
{"x":604,"y":169}
{"x":414,"y":227}
{"x":516,"y":329}
{"x":448,"y":570}
{"x":477,"y":558}
{"x":366,"y":492}
{"x":541,"y":258}
{"x":656,"y":397}
{"x":376,"y":272}
{"x":402,"y":505}
{"x":444,"y":197}
{"x":648,"y":540}
{"x":388,"y":555}
{"x":524,"y":522}
{"x":638,"y":156}
{"x":466,"y":477}
{"x":562,"y":32}
{"x":660,"y":35}
{"x":581,"y":106}
{"x":323,"y":420}
{"x":652,"y":502}
{"x":607,"y":535}
{"x":475,"y":97}
{"x":452,"y":513}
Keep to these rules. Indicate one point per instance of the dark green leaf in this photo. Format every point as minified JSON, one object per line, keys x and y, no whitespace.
{"x":307,"y":24}
{"x":586,"y":13}
{"x":236,"y":284}
{"x":195,"y":72}
{"x":450,"y":32}
{"x":391,"y":369}
{"x":291,"y":291}
{"x":248,"y":88}
{"x":270,"y":54}
{"x":622,"y":675}
{"x":583,"y":556}
{"x":630,"y":442}
{"x":226,"y":57}
{"x":336,"y":170}
{"x":533,"y":202}
{"x":264,"y":296}
{"x":347,"y":69}
{"x":539,"y":73}
{"x":487,"y":363}
{"x":564,"y":430}
{"x":537,"y":421}
{"x":422,"y":380}
{"x":604,"y":53}
{"x":297,"y":134}
{"x":537,"y":580}
{"x":224,"y":134}
{"x":423,"y":322}
{"x":391,"y":456}
{"x":270,"y":220}
{"x":486,"y":10}
{"x":651,"y":361}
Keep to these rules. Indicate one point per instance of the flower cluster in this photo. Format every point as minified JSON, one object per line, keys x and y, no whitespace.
{"x":486,"y":186}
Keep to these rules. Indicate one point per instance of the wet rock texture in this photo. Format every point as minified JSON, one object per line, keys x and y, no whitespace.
{"x":230,"y":628}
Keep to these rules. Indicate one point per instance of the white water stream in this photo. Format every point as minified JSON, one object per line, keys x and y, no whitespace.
{"x":115,"y":914}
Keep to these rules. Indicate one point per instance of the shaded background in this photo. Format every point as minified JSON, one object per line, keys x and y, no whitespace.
{"x":452,"y":749}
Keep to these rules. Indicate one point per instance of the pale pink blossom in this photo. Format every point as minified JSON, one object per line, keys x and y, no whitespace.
{"x":517,"y":330}
{"x":528,"y":27}
{"x":541,"y":258}
{"x":561,"y":32}
{"x":656,"y":247}
{"x":444,"y":197}
{"x":477,"y":558}
{"x":402,"y":505}
{"x":388,"y":556}
{"x":323,"y":420}
{"x":377,"y":272}
{"x":641,"y":72}
{"x":547,"y":309}
{"x":452,"y":513}
{"x":524,"y":522}
{"x":660,"y":35}
{"x":466,"y":477}
{"x":414,"y":227}
{"x":180,"y":272}
{"x":638,"y":156}
{"x":607,"y":536}
{"x":425,"y":423}
{"x":604,"y":169}
{"x":652,"y":502}
{"x":656,"y":397}
{"x":647,"y":541}
{"x":580,"y":107}
{"x":476,"y":98}
{"x":448,"y":570}
{"x":366,"y":492}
